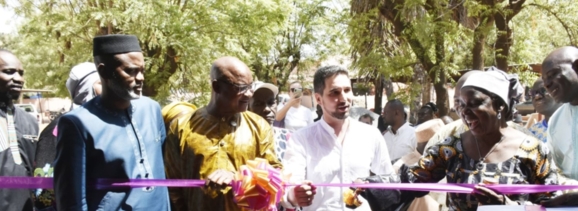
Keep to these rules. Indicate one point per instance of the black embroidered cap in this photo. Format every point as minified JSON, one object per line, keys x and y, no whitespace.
{"x":115,"y":44}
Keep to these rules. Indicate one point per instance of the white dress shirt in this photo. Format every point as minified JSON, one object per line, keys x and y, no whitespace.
{"x":562,"y":139}
{"x":314,"y":154}
{"x":402,"y":142}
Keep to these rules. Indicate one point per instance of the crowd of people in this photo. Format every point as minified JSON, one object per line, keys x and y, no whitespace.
{"x":113,"y":132}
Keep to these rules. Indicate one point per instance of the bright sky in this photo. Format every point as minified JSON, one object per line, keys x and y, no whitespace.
{"x":8,"y":20}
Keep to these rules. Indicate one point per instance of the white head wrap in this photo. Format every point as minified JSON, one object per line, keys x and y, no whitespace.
{"x":80,"y":83}
{"x":505,"y":86}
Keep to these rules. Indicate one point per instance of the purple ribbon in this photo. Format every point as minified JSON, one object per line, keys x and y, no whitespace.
{"x":47,"y":183}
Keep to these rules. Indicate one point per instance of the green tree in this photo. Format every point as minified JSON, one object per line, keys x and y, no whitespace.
{"x":179,"y":38}
{"x":311,"y":34}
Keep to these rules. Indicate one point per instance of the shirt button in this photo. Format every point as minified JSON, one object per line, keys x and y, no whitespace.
{"x":222,"y":144}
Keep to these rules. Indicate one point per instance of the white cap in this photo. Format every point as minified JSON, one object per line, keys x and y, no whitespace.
{"x":260,"y":84}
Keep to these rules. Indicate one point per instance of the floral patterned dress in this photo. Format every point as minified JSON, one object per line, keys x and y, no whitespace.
{"x":530,"y":165}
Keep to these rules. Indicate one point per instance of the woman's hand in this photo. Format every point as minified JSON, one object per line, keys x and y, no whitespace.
{"x":487,"y":196}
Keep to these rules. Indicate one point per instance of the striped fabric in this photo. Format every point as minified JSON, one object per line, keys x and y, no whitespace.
{"x":4,"y":143}
{"x":12,"y":136}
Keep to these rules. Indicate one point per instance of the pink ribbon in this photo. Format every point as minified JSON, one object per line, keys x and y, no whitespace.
{"x":46,"y":183}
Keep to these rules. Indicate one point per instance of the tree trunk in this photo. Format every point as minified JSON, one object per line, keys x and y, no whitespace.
{"x":388,"y":86}
{"x":504,"y":36}
{"x":416,"y":90}
{"x":426,"y":87}
{"x":503,"y":42}
{"x":378,"y":99}
{"x":480,"y":35}
{"x":486,"y":21}
{"x":440,"y":78}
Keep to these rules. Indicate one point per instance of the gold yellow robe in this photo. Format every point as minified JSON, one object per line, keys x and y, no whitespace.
{"x":198,"y":144}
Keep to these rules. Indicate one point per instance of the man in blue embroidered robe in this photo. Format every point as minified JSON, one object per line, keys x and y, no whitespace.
{"x":118,"y":135}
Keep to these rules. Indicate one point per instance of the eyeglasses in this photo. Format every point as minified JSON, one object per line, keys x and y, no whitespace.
{"x":542,"y":91}
{"x":296,"y":89}
{"x":241,"y":88}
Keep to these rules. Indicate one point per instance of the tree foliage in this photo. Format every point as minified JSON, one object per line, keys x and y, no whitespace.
{"x":444,"y":36}
{"x":179,"y":38}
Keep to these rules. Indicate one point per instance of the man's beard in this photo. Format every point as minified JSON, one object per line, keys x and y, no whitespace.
{"x":7,"y":96}
{"x":339,"y":115}
{"x":121,"y":92}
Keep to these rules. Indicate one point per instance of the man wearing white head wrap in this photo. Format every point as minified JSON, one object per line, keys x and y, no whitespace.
{"x":83,"y":83}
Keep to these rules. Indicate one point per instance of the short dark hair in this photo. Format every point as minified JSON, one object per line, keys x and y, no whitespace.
{"x":396,"y":104}
{"x":109,"y":61}
{"x":326,"y":72}
{"x":366,"y":115}
{"x":431,"y":106}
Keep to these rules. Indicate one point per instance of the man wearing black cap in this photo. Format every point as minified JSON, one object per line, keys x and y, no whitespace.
{"x":118,"y":135}
{"x":18,"y":134}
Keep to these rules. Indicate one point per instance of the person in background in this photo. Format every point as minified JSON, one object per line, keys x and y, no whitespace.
{"x":335,"y":149}
{"x":216,"y":140}
{"x":544,"y":105}
{"x":263,"y":103}
{"x":400,"y":136}
{"x":381,"y":125}
{"x":117,"y":135}
{"x":293,"y":115}
{"x":18,"y":134}
{"x":83,"y":84}
{"x":366,"y":118}
{"x":426,"y":113}
{"x":434,"y":200}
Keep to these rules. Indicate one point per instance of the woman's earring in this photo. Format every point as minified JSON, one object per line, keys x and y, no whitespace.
{"x":500,"y":115}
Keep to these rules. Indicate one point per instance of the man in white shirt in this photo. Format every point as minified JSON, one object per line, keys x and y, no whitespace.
{"x":560,"y":76}
{"x":335,"y":149}
{"x":400,"y":136}
{"x":559,"y":73}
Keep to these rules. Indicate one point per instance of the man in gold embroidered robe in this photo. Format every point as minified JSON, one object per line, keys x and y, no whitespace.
{"x":214,"y":141}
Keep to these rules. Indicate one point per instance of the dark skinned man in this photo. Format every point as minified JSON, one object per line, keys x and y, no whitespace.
{"x":400,"y":136}
{"x":117,"y":135}
{"x":426,"y":113}
{"x":18,"y":134}
{"x":216,"y":140}
{"x":545,"y":105}
{"x":560,"y":76}
{"x":561,"y":80}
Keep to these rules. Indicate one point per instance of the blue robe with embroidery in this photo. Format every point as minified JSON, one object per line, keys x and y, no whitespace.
{"x":98,"y":143}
